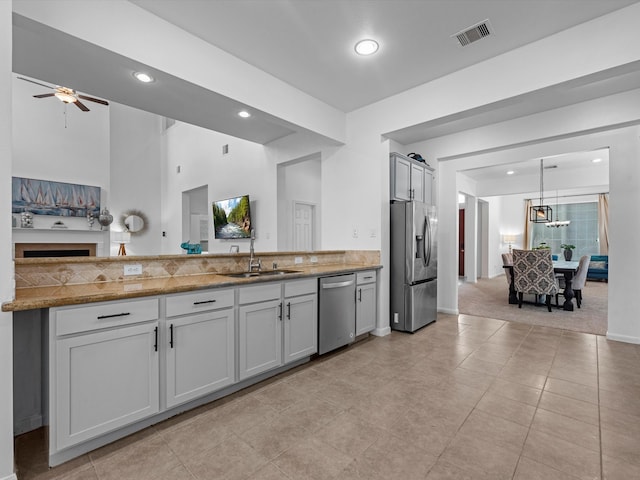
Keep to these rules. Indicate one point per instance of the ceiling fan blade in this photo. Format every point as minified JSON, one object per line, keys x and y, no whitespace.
{"x":81,"y":106}
{"x":37,"y":83}
{"x":44,"y":95}
{"x":92,"y":99}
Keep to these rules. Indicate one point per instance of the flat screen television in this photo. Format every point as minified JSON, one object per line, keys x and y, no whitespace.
{"x":232,"y":218}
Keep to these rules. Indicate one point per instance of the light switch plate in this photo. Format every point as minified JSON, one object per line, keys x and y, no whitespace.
{"x":133,"y":269}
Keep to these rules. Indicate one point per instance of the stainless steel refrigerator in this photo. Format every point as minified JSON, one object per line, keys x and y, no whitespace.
{"x":414,"y":265}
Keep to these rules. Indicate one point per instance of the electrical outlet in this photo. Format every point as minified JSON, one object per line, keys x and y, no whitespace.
{"x":298,"y":260}
{"x":134,"y":269}
{"x":355,"y":233}
{"x":313,"y":259}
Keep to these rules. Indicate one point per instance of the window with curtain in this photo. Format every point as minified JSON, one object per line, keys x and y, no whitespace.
{"x":581,"y":232}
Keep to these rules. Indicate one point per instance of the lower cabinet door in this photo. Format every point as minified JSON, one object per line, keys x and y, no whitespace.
{"x":200,"y":355}
{"x":300,"y":327}
{"x":260,"y":333}
{"x":365,"y":308}
{"x":105,"y":380}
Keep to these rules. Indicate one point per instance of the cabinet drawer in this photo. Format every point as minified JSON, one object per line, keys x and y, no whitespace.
{"x":259,"y":293}
{"x":97,"y":316}
{"x":198,"y":302}
{"x":366,"y":277}
{"x":300,"y":287}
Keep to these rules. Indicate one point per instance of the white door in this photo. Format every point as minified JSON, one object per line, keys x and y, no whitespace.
{"x":200,"y":355}
{"x":260,"y":333}
{"x":105,"y":380}
{"x":300,"y":327}
{"x":402,"y":179}
{"x":417,"y":183}
{"x":303,"y":214}
{"x":365,"y":308}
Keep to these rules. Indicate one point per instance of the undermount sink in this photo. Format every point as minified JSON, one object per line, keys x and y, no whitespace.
{"x":265,"y":273}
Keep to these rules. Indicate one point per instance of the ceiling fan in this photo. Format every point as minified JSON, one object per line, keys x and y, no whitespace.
{"x":66,"y":95}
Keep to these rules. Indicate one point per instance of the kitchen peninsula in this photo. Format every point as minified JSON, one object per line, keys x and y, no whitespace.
{"x":122,"y":352}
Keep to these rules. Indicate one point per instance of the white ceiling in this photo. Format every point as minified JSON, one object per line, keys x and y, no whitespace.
{"x":560,"y":164}
{"x":309,"y":44}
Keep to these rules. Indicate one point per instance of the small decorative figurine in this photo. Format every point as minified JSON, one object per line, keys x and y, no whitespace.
{"x":90,"y":220}
{"x":26,"y":220}
{"x":105,"y":219}
{"x":191,"y":248}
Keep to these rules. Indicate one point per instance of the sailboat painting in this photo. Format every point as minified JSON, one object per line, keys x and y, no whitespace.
{"x":42,"y":197}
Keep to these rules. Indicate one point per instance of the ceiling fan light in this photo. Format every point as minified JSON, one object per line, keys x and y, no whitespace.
{"x":66,"y":97}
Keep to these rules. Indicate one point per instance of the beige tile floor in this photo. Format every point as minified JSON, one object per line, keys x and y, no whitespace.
{"x":464,"y":398}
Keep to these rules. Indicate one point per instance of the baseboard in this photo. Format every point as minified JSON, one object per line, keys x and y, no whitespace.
{"x":623,"y":338}
{"x":381,"y":332}
{"x":24,"y":425}
{"x":449,"y":311}
{"x":10,"y":477}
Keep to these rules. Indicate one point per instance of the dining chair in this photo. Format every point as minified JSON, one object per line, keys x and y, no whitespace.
{"x":507,"y":259}
{"x":533,"y":273}
{"x":579,"y":279}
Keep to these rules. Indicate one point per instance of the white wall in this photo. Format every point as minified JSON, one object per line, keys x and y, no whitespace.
{"x":6,"y":263}
{"x":136,"y":160}
{"x":45,"y":148}
{"x":244,"y":170}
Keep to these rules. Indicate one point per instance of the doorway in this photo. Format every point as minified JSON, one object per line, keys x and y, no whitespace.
{"x":195,"y":218}
{"x":303,"y":222}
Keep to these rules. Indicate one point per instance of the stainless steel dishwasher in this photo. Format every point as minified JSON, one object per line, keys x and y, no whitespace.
{"x":337,"y":312}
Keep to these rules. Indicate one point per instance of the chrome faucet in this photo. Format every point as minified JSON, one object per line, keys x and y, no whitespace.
{"x":253,"y":262}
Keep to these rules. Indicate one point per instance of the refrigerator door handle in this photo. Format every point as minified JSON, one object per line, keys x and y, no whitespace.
{"x":427,"y":227}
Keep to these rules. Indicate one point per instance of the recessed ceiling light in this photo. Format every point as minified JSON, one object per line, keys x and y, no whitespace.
{"x":596,"y":160}
{"x":366,"y":47}
{"x":244,"y":114}
{"x":143,"y":77}
{"x":510,"y":172}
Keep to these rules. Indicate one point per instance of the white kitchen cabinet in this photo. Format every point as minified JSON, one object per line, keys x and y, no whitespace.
{"x":102,"y":379}
{"x":277,"y":323}
{"x":300,"y":319}
{"x":260,"y":333}
{"x":410,"y":179}
{"x":199,"y":347}
{"x":366,"y":302}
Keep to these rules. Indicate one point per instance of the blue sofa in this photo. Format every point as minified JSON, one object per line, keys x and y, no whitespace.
{"x":598,"y":268}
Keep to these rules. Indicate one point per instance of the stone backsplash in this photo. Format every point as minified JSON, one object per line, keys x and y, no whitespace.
{"x":44,"y":272}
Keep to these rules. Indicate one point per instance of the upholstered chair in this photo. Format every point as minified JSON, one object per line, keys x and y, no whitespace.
{"x":579,"y":279}
{"x":533,"y":273}
{"x":507,"y":259}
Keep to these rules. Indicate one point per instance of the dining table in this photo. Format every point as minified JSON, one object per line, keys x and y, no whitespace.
{"x":563,"y":267}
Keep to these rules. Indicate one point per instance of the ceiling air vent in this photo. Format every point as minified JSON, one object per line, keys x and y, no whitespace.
{"x":473,"y":33}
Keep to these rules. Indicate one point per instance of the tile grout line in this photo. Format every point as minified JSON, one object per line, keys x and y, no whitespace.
{"x":537,"y":406}
{"x":599,"y":414}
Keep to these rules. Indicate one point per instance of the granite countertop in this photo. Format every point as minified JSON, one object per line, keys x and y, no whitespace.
{"x":56,"y":296}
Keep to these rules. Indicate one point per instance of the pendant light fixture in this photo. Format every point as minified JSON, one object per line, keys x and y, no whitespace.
{"x":541,"y":213}
{"x":557,"y":223}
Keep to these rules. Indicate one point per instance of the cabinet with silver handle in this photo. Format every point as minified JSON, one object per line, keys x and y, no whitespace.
{"x":410,"y":179}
